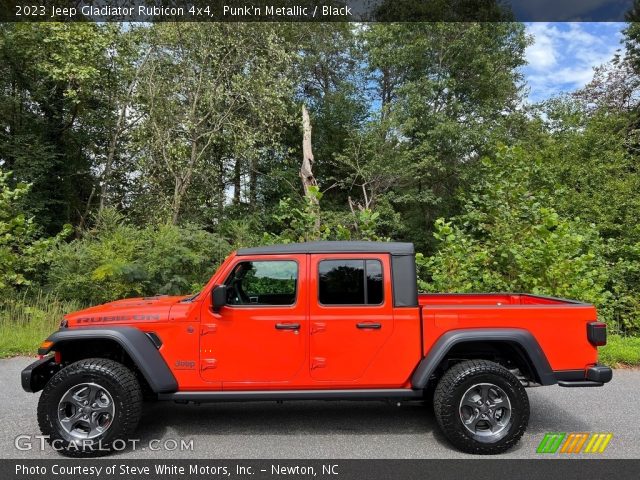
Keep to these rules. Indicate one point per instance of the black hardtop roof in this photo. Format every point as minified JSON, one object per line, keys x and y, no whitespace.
{"x":393,"y":248}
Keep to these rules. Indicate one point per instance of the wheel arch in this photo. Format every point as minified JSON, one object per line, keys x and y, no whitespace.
{"x":127,"y":344}
{"x":520,"y":344}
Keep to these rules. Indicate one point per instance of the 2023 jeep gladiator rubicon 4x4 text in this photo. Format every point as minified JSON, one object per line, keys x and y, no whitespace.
{"x":322,"y":320}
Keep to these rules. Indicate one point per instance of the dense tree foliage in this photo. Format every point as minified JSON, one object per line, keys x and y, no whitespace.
{"x":24,"y":255}
{"x":115,"y":259}
{"x":165,"y":146}
{"x":509,"y":237}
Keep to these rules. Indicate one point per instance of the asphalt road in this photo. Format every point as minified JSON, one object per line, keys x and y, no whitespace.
{"x":322,"y":429}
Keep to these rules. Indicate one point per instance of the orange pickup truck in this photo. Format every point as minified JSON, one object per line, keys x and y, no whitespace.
{"x":319,"y":320}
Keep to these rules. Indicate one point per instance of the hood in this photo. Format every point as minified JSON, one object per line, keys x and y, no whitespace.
{"x":127,"y":311}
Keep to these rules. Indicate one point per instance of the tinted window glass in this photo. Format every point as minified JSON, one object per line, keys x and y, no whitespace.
{"x":263,"y":283}
{"x":374,"y":282}
{"x":342,"y":282}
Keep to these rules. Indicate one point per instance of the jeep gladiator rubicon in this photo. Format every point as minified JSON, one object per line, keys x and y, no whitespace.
{"x":320,"y":320}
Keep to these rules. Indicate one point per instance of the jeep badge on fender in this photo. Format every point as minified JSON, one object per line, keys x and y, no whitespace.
{"x":185,"y":364}
{"x":318,"y":320}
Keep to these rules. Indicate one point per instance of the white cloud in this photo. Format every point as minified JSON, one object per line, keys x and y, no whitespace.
{"x":542,"y":53}
{"x":563,"y":55}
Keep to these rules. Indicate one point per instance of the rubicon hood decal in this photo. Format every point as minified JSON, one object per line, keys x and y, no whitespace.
{"x":127,"y":311}
{"x":117,"y":318}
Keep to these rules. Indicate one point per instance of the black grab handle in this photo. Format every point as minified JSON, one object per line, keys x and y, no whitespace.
{"x":373,"y":326}
{"x":287,"y":326}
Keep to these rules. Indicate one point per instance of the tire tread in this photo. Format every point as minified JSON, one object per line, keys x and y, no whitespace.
{"x":117,"y":373}
{"x":445,"y":406}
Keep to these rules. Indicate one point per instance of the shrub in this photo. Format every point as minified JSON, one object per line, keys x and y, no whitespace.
{"x":509,"y":239}
{"x":23,"y":254}
{"x":307,"y":222}
{"x":117,"y":260}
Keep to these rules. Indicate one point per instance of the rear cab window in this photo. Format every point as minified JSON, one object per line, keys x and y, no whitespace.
{"x":350,"y":282}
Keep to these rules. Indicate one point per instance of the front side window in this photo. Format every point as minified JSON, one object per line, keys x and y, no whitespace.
{"x":263,"y":283}
{"x":350,"y":282}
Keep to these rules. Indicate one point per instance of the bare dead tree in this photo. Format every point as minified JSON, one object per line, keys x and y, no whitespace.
{"x":306,"y":170}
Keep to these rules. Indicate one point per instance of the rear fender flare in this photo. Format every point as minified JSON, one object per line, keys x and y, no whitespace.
{"x":522,"y":338}
{"x":134,"y":342}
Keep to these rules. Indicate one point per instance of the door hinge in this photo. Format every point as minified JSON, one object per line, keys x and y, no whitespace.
{"x":208,"y":363}
{"x":318,"y":362}
{"x":208,"y":328}
{"x":317,"y":327}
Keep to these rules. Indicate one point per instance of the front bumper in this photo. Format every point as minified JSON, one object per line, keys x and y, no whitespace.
{"x":36,"y":375}
{"x":595,"y":376}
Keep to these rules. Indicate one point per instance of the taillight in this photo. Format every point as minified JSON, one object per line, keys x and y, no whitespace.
{"x":597,"y":333}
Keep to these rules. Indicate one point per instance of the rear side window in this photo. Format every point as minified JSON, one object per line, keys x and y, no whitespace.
{"x":350,"y":282}
{"x":263,"y":283}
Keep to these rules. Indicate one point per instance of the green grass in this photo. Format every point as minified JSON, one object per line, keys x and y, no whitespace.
{"x":25,"y":321}
{"x":620,"y":351}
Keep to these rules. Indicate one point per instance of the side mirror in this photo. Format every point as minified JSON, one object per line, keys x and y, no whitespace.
{"x":218,"y":297}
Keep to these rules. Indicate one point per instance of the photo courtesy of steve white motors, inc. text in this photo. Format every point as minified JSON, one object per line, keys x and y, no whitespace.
{"x":192,"y":469}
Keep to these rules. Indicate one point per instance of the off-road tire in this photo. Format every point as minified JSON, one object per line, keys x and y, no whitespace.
{"x":470,"y":376}
{"x":121,"y":385}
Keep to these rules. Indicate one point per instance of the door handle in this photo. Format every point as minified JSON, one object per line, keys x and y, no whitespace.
{"x":287,"y":326}
{"x":369,"y":326}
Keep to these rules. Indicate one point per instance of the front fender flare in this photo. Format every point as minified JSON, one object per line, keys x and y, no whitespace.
{"x":522,"y":338}
{"x":134,"y":342}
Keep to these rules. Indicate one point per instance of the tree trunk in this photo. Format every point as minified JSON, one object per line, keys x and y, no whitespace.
{"x":221,"y":187}
{"x":113,"y":143}
{"x":306,"y":170}
{"x":177,"y":200}
{"x":253,"y":183}
{"x":237,"y":183}
{"x":117,"y":132}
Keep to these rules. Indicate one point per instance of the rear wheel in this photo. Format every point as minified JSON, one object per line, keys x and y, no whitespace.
{"x":481,"y":407}
{"x":89,"y":405}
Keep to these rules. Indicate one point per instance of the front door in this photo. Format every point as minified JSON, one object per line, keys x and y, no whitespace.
{"x":259,"y":337}
{"x":350,"y":316}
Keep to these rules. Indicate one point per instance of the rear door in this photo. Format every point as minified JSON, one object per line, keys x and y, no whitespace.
{"x":350,"y":314}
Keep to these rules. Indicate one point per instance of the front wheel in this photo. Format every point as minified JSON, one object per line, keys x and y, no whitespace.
{"x":481,"y":407}
{"x":89,"y":405}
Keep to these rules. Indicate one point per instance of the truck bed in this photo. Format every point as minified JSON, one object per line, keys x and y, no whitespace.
{"x":558,"y":325}
{"x":490,"y":299}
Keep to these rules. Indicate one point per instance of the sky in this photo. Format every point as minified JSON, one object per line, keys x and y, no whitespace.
{"x":563,"y":55}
